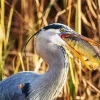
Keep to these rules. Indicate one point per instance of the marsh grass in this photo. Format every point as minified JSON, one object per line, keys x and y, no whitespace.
{"x":20,"y":19}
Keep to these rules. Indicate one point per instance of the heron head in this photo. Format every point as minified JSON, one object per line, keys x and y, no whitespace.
{"x":53,"y":33}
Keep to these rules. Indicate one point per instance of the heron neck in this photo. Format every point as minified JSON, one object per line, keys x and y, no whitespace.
{"x":59,"y":66}
{"x":57,"y":74}
{"x":48,"y":86}
{"x":59,"y":63}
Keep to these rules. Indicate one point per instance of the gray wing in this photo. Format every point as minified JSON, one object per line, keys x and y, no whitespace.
{"x":9,"y":89}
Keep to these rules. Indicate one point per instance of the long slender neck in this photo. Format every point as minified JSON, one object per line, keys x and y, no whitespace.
{"x":57,"y":73}
{"x":51,"y":83}
{"x":59,"y":63}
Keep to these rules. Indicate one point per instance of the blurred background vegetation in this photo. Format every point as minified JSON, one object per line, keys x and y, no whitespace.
{"x":20,"y":19}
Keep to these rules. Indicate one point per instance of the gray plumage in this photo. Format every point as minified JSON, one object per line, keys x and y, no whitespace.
{"x":41,"y":86}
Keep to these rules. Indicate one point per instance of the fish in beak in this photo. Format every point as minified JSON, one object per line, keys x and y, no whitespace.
{"x":82,"y":46}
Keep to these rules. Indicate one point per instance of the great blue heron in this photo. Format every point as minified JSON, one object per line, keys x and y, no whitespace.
{"x":47,"y":86}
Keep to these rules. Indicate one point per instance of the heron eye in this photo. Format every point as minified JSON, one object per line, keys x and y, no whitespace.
{"x":62,"y":30}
